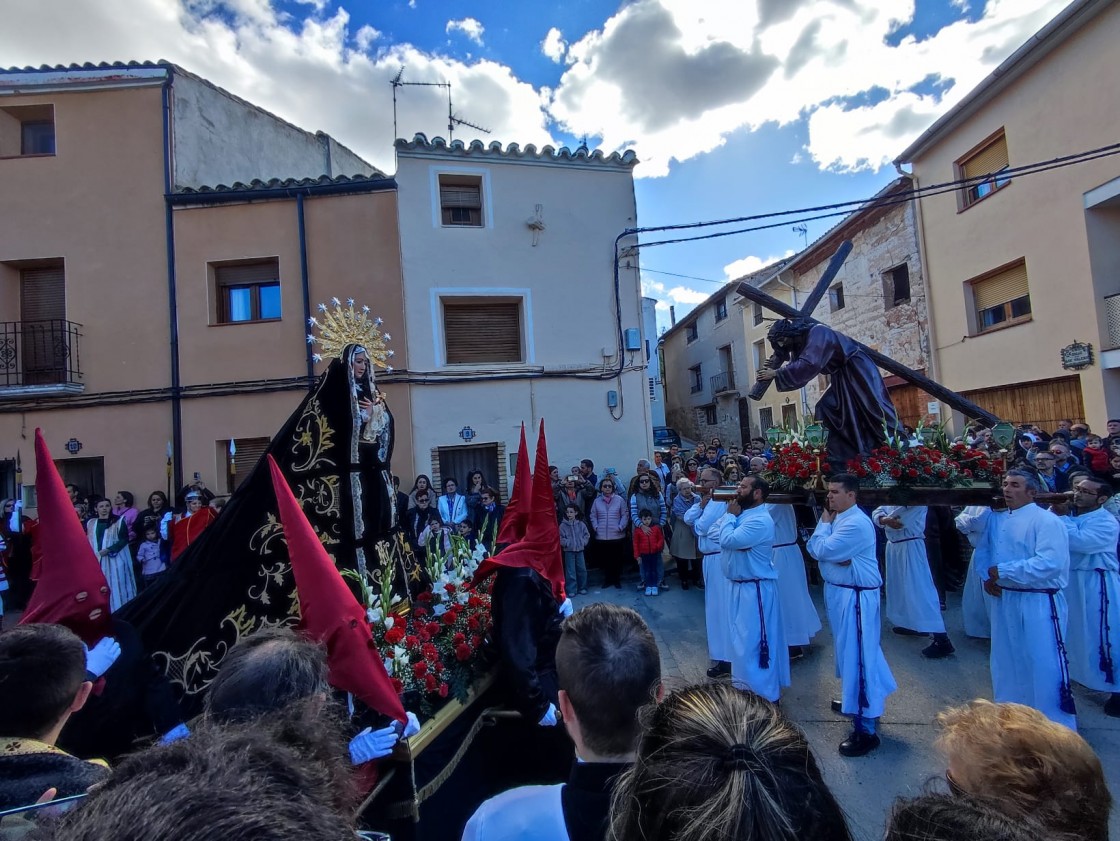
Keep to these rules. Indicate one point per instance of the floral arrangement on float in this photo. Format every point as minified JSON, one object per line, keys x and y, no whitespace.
{"x":799,"y":458}
{"x":433,"y":646}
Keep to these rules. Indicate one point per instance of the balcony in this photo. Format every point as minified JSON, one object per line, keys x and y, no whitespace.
{"x":40,"y":358}
{"x":723,"y":383}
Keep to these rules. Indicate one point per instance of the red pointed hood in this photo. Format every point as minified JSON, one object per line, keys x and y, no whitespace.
{"x":330,"y":613}
{"x":516,"y":515}
{"x":540,"y":548}
{"x":71,"y":588}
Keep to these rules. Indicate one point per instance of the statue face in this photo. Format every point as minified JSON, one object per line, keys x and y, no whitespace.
{"x":359,"y":364}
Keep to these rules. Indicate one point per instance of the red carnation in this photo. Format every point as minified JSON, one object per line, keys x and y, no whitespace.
{"x":412,"y":641}
{"x":462,"y":652}
{"x":472,"y":623}
{"x":895,"y":472}
{"x":443,"y":690}
{"x":476,"y":640}
{"x":394,"y":635}
{"x":424,"y":597}
{"x":459,"y":638}
{"x":474,"y":601}
{"x":430,"y":652}
{"x":439,"y":667}
{"x":449,"y":587}
{"x":912,"y":473}
{"x":420,"y":668}
{"x":432,"y":628}
{"x":431,"y":683}
{"x":423,"y":636}
{"x":420,"y":611}
{"x":398,"y":687}
{"x":968,"y":473}
{"x":449,"y":618}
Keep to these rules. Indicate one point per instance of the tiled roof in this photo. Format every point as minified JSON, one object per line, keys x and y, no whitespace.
{"x":374,"y":182}
{"x":420,"y":142}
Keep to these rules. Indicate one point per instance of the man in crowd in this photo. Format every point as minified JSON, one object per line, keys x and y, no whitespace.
{"x":452,"y":505}
{"x":1028,"y":557}
{"x":1055,"y":481}
{"x":1112,"y":430}
{"x":608,"y":668}
{"x":703,"y":518}
{"x":661,"y":468}
{"x":46,"y":675}
{"x":1078,"y":433}
{"x":1064,"y":460}
{"x":417,"y":521}
{"x":844,"y":545}
{"x":1094,"y":593}
{"x":759,"y":657}
{"x":711,"y":457}
{"x":587,"y":472}
{"x":489,"y":519}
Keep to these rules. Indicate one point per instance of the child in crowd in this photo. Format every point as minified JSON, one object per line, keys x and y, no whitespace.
{"x":1096,"y":457}
{"x":649,"y":541}
{"x":574,"y":537}
{"x":150,"y":557}
{"x":466,"y":531}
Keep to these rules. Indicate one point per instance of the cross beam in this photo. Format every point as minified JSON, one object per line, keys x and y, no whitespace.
{"x":952,"y":398}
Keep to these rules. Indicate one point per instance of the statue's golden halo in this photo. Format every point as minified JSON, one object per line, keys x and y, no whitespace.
{"x":344,"y":325}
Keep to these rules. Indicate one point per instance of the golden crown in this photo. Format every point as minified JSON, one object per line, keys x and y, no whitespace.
{"x":344,"y":325}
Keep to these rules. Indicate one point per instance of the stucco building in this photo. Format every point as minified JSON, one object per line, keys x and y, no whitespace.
{"x":1021,"y":265}
{"x":161,"y":244}
{"x":514,"y":309}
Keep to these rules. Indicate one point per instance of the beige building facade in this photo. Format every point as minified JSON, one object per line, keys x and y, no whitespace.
{"x":1021,"y":266}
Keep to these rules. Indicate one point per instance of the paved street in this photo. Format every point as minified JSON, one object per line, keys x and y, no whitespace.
{"x":906,"y":762}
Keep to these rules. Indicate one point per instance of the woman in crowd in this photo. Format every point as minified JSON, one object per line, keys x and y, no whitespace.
{"x":609,"y":518}
{"x":476,"y":484}
{"x":732,"y":474}
{"x":124,"y":507}
{"x":158,"y":514}
{"x":109,"y":539}
{"x":422,"y":483}
{"x":714,"y":761}
{"x":692,"y":470}
{"x":682,"y":546}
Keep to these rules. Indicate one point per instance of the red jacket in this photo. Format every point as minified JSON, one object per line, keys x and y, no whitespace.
{"x":648,"y":544}
{"x":1096,"y":460}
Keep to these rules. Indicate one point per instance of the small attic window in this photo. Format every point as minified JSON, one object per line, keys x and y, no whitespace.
{"x":26,"y":131}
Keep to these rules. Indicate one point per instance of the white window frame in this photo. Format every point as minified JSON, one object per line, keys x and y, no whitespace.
{"x":437,"y":296}
{"x":434,"y":172}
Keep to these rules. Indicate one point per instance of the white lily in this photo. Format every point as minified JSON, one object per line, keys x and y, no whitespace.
{"x":389,"y":622}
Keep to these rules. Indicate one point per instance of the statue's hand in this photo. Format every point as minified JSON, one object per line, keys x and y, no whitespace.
{"x":365,"y":404}
{"x":766,"y":374}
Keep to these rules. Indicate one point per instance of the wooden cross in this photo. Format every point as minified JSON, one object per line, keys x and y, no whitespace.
{"x":952,"y":398}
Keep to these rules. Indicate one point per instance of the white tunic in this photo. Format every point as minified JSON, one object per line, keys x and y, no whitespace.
{"x":753,"y":603}
{"x":705,"y":522}
{"x":799,"y":614}
{"x":976,"y":605}
{"x":1030,"y":548}
{"x":1092,"y":641}
{"x":535,"y":812}
{"x":845,"y":549}
{"x":912,"y":600}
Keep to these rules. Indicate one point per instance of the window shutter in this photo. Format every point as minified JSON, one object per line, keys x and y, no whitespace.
{"x":482,"y":331}
{"x":991,"y":158}
{"x":42,"y":294}
{"x":263,"y":272}
{"x":460,"y":195}
{"x":249,"y":452}
{"x":1000,"y":288}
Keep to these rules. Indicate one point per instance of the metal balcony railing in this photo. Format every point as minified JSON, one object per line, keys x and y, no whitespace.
{"x":39,"y":353}
{"x":1112,"y":313}
{"x":723,"y":382}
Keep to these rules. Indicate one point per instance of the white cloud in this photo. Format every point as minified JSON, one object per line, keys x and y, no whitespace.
{"x":313,"y":73}
{"x":685,"y":295}
{"x":750,"y":264}
{"x":366,"y":36}
{"x":468,"y":26}
{"x":554,"y":46}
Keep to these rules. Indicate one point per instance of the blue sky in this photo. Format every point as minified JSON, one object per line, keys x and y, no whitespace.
{"x":735,"y":107}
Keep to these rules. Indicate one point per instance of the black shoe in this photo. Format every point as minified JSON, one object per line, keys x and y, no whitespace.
{"x":663,"y":584}
{"x":1112,"y":705}
{"x":940,"y":647}
{"x":796,"y":652}
{"x":684,"y":585}
{"x":906,"y":632}
{"x":859,"y":744}
{"x":837,"y":707}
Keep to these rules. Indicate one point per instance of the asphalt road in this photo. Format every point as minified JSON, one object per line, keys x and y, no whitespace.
{"x":906,"y":763}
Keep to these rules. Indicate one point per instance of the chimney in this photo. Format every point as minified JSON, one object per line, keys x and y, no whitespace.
{"x":672,"y":316}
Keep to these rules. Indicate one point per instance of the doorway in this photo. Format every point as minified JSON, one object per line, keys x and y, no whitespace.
{"x":87,"y":473}
{"x":457,"y":462}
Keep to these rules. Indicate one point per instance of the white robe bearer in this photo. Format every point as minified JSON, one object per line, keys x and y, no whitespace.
{"x":705,"y":522}
{"x":799,"y":614}
{"x":753,"y":596}
{"x":1092,"y":641}
{"x":1030,"y":548}
{"x":845,"y":549}
{"x":976,"y":605}
{"x":912,"y":600}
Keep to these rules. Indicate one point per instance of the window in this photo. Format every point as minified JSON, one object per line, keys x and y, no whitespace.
{"x":695,"y":380}
{"x":238,"y":468}
{"x":690,"y":333}
{"x":759,"y":354}
{"x":756,"y":313}
{"x":460,"y":200}
{"x":652,"y":390}
{"x":710,"y":415}
{"x":986,"y":163}
{"x":1001,"y":298}
{"x":26,"y":130}
{"x":765,"y":418}
{"x":721,"y":309}
{"x":789,"y":416}
{"x":482,"y":330}
{"x":248,"y":292}
{"x":896,"y":286}
{"x":836,"y":297}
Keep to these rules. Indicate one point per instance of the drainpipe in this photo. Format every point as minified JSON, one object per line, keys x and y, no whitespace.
{"x":305,"y":285}
{"x":172,"y":294}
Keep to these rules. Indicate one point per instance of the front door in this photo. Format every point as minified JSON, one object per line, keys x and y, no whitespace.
{"x":457,"y":462}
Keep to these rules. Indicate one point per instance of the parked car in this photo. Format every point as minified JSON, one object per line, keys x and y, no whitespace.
{"x":665,"y":437}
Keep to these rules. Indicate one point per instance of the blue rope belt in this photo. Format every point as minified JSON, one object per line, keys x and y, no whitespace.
{"x":764,"y":645}
{"x":1065,"y":692}
{"x":783,"y":545}
{"x":1104,"y":646}
{"x":904,"y":540}
{"x":862,"y":700}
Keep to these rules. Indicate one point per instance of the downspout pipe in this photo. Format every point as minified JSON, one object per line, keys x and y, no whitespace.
{"x":305,"y":283}
{"x":172,"y":293}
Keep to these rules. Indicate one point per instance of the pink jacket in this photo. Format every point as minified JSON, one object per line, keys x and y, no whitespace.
{"x":609,"y":517}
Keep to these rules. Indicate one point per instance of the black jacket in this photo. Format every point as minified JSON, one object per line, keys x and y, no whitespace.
{"x":526,"y":630}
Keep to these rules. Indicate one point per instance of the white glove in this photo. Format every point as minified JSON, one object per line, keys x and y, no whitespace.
{"x":550,"y":718}
{"x":412,"y":727}
{"x":102,"y":656}
{"x":372,"y":744}
{"x":566,"y":608}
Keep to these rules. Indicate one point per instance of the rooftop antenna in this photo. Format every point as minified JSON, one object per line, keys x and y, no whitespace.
{"x":452,"y":119}
{"x":802,"y":229}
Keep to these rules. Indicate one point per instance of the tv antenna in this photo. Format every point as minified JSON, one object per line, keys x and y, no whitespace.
{"x":452,"y":119}
{"x":802,"y":229}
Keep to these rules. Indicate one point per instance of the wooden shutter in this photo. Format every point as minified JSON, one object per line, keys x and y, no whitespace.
{"x":482,"y":331}
{"x":992,"y":158}
{"x":249,"y":452}
{"x":266,"y":271}
{"x":1000,"y":288}
{"x":42,"y":294}
{"x":460,"y":195}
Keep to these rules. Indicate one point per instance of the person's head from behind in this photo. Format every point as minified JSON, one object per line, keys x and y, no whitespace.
{"x":608,"y":667}
{"x":1014,"y":755}
{"x":265,"y":672}
{"x":944,"y":817}
{"x":715,"y":761}
{"x":42,"y":681}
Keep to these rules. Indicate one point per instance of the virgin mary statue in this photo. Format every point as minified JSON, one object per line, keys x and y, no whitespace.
{"x":335,"y":451}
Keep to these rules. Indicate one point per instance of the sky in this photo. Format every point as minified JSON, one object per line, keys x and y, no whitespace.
{"x":734,"y":107}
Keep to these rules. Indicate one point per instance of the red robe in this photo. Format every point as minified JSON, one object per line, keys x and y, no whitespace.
{"x":187,"y":530}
